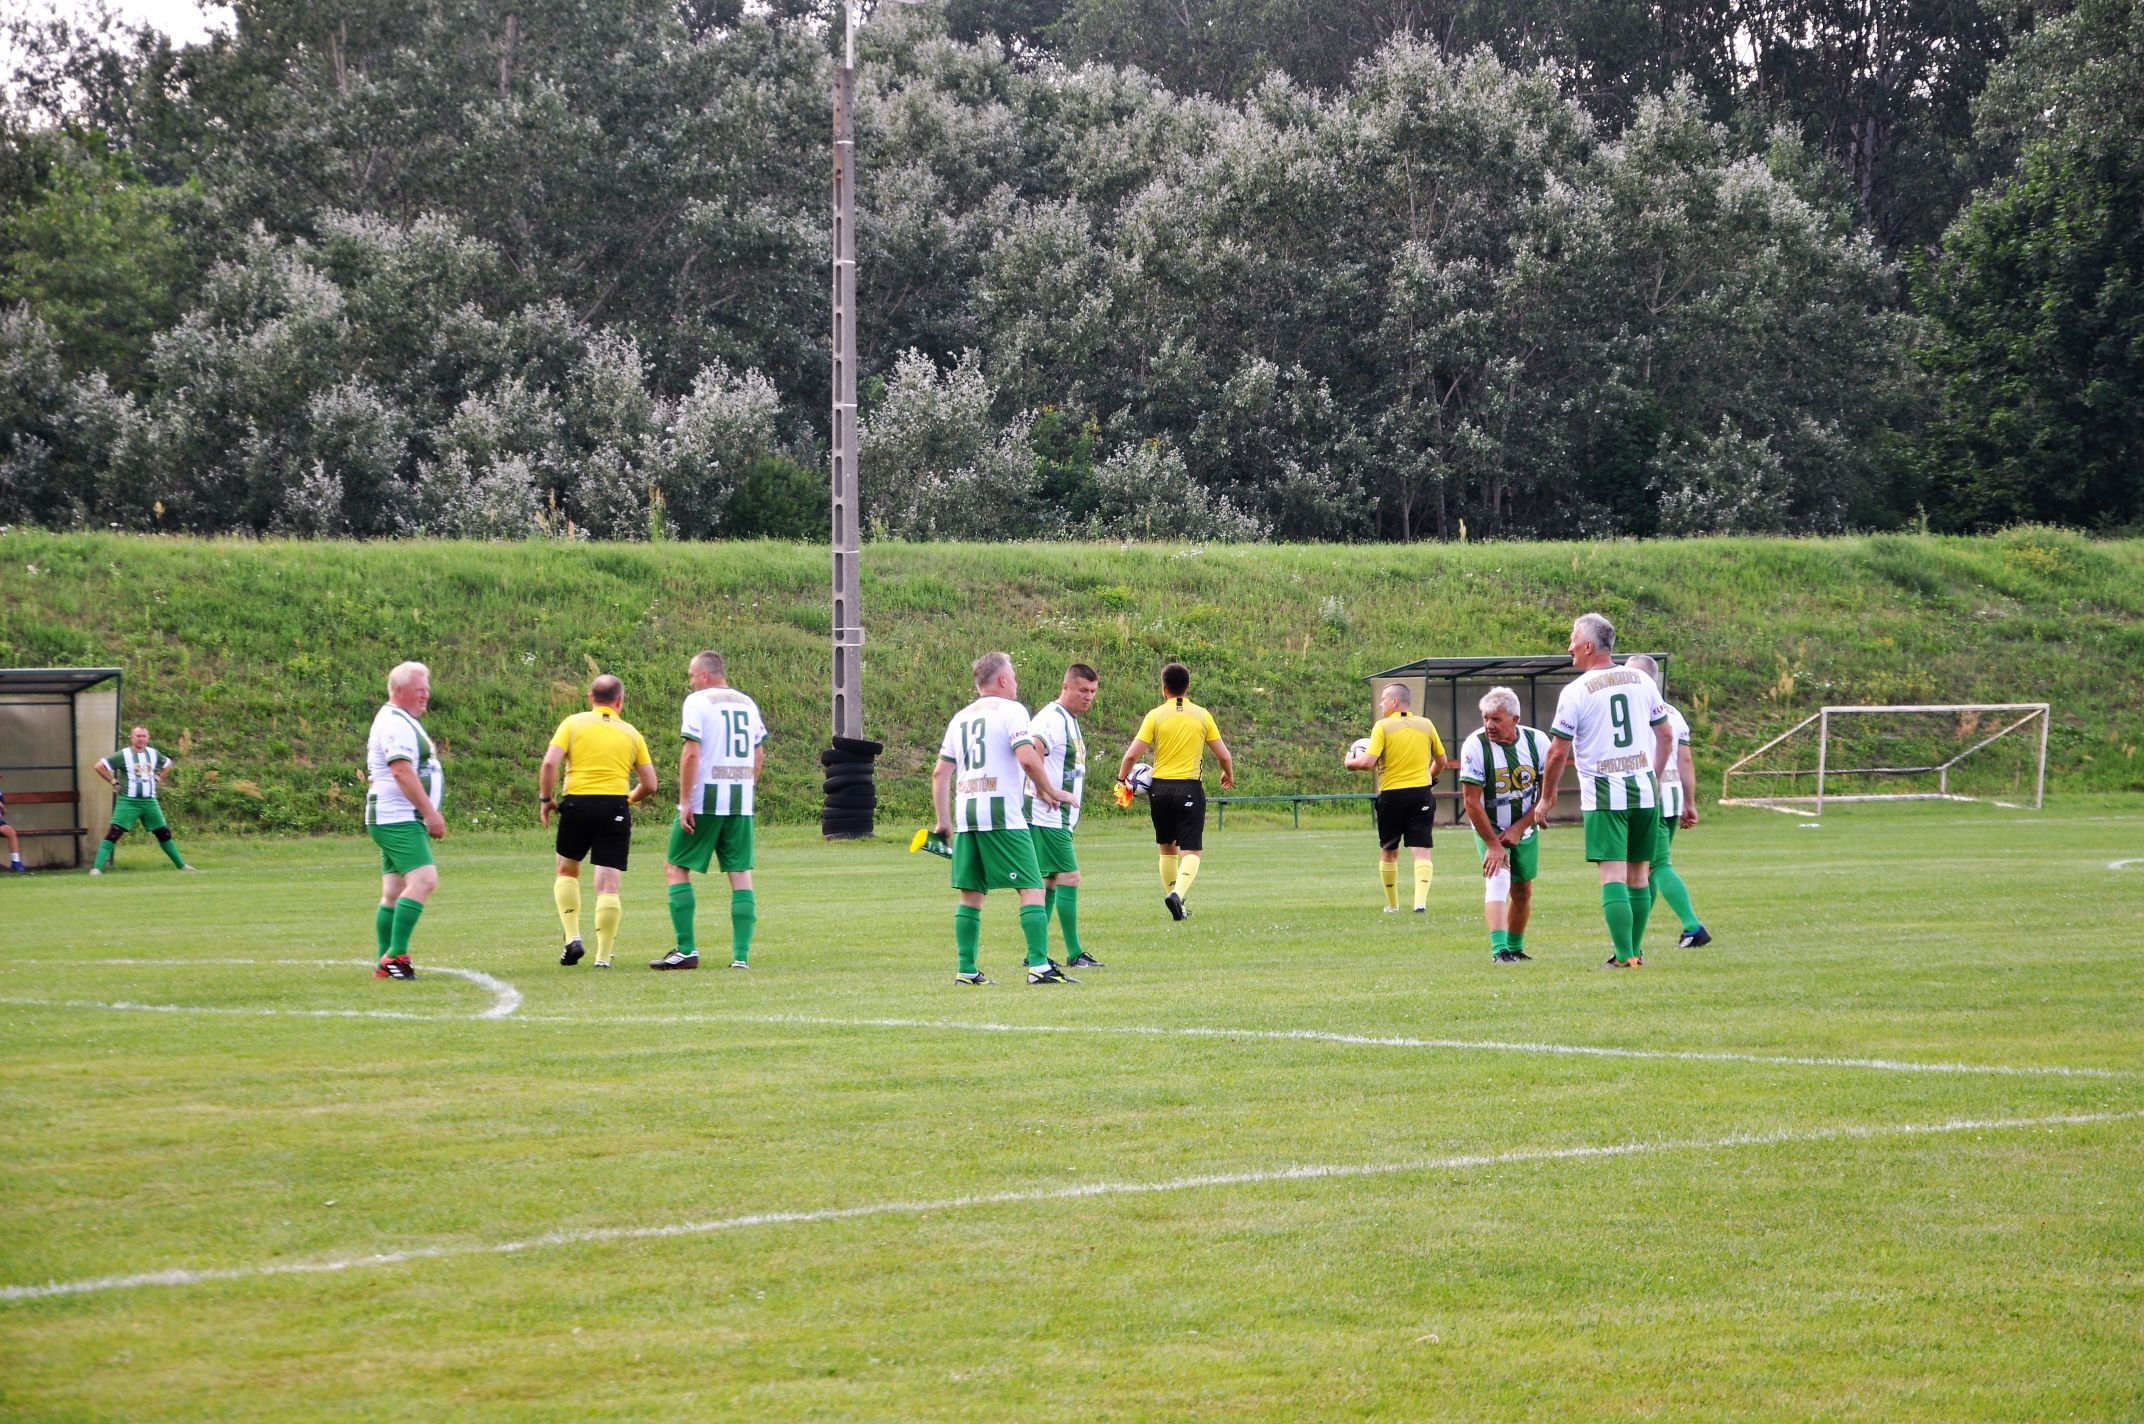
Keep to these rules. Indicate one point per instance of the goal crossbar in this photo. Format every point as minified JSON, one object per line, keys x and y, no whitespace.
{"x":1821,"y":718}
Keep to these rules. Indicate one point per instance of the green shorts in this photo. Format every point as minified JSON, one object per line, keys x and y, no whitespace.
{"x":403,"y":846}
{"x":1621,"y":835}
{"x":131,"y":811}
{"x":725,"y":840}
{"x":1664,"y":839}
{"x":1053,"y":850}
{"x":1524,"y":858}
{"x":995,"y":860}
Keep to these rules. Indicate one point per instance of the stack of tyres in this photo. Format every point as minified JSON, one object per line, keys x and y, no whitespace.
{"x":851,"y":795}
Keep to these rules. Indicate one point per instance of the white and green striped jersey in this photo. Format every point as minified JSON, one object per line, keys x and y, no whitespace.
{"x":1671,"y":779}
{"x":1509,"y":775}
{"x":134,"y":772}
{"x":1607,"y":716}
{"x":989,"y":784}
{"x":397,"y":736}
{"x":727,"y":725}
{"x":1064,"y":755}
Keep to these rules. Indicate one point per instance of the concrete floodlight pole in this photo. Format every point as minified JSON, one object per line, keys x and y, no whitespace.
{"x":848,"y":707}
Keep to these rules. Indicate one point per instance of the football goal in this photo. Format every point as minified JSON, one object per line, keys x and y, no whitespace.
{"x":1984,"y":751}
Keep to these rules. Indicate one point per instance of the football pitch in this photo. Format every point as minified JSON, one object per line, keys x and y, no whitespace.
{"x":1876,"y":1154}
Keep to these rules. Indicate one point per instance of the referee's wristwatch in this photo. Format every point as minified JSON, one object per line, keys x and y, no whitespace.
{"x":547,"y":801}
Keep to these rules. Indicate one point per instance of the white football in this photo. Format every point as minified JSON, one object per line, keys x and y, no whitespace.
{"x":1359,"y":747}
{"x":1141,"y":780}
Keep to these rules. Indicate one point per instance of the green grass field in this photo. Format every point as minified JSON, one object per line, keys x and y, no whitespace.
{"x":1876,"y":1155}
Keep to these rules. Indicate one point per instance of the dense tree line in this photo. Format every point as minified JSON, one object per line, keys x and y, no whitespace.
{"x":1232,"y":268}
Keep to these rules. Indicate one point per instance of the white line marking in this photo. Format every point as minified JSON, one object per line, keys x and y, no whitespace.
{"x":505,"y":998}
{"x":1270,"y":1035}
{"x":1308,"y":1172}
{"x":2118,"y":864}
{"x":1364,"y":1040}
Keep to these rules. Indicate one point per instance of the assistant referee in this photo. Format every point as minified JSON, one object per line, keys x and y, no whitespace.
{"x":1410,"y":754}
{"x":1178,"y":733}
{"x":607,"y":770}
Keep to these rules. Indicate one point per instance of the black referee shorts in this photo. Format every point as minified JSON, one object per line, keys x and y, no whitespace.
{"x":1409,"y":816}
{"x":1179,"y":812}
{"x":597,"y":828}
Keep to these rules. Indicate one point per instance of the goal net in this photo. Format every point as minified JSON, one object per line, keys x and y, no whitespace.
{"x":1986,"y":751}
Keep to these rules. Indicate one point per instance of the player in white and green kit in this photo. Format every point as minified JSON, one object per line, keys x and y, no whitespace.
{"x":403,"y":789}
{"x":718,"y":782}
{"x":986,"y":762}
{"x":1500,"y":769}
{"x":135,"y":773}
{"x":1611,"y":723}
{"x":1056,"y":733}
{"x":1678,"y":811}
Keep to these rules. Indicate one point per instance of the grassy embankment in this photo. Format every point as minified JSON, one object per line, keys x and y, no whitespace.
{"x":260,"y":662}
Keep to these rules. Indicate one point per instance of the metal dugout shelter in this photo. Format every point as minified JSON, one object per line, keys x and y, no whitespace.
{"x":55,"y":723}
{"x":1448,"y":691}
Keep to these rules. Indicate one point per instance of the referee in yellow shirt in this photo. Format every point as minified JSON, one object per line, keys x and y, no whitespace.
{"x":1178,"y":733}
{"x":607,"y":770}
{"x":1411,"y":754}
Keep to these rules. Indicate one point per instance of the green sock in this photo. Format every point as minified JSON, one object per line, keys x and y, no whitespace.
{"x":383,"y":927}
{"x":104,"y":854}
{"x":744,"y":917}
{"x":683,"y":906}
{"x":1499,"y":941}
{"x":1615,"y":909}
{"x":407,"y":912}
{"x":1515,"y":941}
{"x":968,"y":935}
{"x":1049,"y":897}
{"x":1068,"y":917}
{"x":1641,"y":910}
{"x":1035,"y":924}
{"x":171,"y":849}
{"x":1669,"y":884}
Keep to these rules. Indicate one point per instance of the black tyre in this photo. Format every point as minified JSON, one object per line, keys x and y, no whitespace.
{"x":858,"y":745}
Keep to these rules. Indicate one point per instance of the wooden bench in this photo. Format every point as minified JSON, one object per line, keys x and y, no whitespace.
{"x":46,"y":798}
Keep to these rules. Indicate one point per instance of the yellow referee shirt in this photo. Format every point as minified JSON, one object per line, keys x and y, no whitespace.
{"x":1178,"y":731}
{"x":1404,"y":744}
{"x":603,"y":753}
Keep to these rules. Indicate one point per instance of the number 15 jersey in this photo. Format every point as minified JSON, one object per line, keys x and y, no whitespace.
{"x":727,"y":726}
{"x":1607,"y":716}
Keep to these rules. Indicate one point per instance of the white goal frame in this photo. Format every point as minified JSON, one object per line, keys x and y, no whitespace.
{"x":1794,"y":804}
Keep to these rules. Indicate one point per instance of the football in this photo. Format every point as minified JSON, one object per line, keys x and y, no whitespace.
{"x":1359,"y":747}
{"x":1141,"y":780}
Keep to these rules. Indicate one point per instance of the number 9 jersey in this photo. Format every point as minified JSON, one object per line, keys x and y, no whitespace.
{"x":727,"y":725}
{"x":1607,"y":716}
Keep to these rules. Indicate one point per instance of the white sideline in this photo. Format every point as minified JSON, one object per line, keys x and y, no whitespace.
{"x":1309,"y":1172}
{"x":2118,"y":864}
{"x":1365,"y":1040}
{"x":1273,"y":1035}
{"x":505,"y":998}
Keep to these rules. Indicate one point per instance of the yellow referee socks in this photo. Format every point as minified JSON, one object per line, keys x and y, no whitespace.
{"x":1424,"y":872}
{"x":1168,"y":870}
{"x":566,"y":890}
{"x":1187,"y":870}
{"x":609,"y":910}
{"x":1389,"y":872}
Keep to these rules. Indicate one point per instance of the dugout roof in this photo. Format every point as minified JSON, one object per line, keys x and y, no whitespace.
{"x":1538,"y":678}
{"x":63,"y":681}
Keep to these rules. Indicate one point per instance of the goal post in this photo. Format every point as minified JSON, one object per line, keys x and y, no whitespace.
{"x":1965,"y":751}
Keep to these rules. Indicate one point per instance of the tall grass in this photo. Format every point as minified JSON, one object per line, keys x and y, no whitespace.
{"x":260,"y":663}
